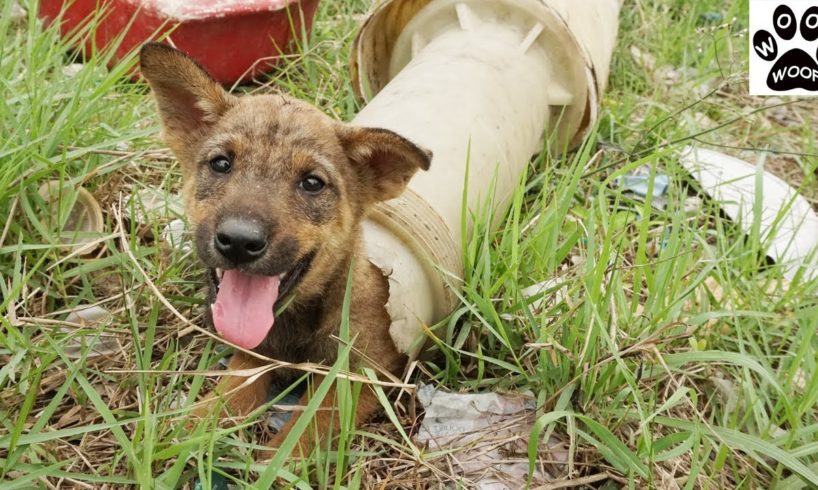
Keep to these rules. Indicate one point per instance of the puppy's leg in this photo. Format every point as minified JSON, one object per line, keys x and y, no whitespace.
{"x":326,"y":418}
{"x":238,"y":400}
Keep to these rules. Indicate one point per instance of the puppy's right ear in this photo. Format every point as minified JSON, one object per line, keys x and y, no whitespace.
{"x":189,"y":100}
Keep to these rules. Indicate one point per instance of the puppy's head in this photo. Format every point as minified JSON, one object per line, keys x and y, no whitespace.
{"x":274,"y":189}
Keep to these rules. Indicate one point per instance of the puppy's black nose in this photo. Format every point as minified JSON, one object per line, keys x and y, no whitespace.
{"x":240,"y":240}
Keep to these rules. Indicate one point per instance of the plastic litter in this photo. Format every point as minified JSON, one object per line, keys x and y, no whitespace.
{"x":96,"y":344}
{"x":72,"y":69}
{"x":17,"y":12}
{"x":559,"y":291}
{"x":84,"y":223}
{"x":787,"y":221}
{"x":217,"y":482}
{"x":479,"y":83}
{"x":711,"y":17}
{"x":175,"y":233}
{"x":151,"y":203}
{"x":277,"y":418}
{"x":639,"y":184}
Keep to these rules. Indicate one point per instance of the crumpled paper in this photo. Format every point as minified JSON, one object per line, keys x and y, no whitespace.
{"x":487,"y":434}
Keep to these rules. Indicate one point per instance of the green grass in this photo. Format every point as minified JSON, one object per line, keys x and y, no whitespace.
{"x":666,"y":350}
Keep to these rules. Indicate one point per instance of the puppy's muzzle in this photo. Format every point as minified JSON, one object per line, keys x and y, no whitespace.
{"x":240,"y":241}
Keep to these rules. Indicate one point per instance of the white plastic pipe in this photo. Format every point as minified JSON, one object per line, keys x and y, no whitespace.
{"x":481,"y":83}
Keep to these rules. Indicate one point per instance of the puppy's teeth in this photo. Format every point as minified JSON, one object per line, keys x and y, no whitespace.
{"x":219,"y":273}
{"x":282,"y":276}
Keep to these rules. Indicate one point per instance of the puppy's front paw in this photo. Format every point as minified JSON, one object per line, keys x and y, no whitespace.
{"x":200,"y":411}
{"x":302,"y":447}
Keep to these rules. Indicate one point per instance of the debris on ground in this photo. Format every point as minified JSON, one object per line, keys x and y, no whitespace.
{"x":151,"y":205}
{"x":486,"y":436}
{"x":553,"y":292}
{"x":96,"y":344}
{"x":637,"y":184}
{"x":17,"y":12}
{"x":711,"y":17}
{"x":787,"y":222}
{"x":175,"y":233}
{"x":697,"y":121}
{"x":217,"y":482}
{"x":643,"y":59}
{"x":727,"y":390}
{"x":276,"y":418}
{"x":82,"y":226}
{"x":72,"y":70}
{"x":666,"y":74}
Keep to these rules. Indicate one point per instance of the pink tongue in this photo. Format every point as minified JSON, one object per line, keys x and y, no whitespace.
{"x":243,"y":311}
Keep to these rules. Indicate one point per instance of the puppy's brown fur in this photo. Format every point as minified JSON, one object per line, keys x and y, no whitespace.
{"x":273,"y":141}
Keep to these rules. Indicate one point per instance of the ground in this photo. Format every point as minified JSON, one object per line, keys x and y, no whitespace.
{"x":667,"y":352}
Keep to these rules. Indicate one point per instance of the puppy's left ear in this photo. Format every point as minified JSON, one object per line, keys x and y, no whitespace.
{"x":384,"y":160}
{"x":188,"y":98}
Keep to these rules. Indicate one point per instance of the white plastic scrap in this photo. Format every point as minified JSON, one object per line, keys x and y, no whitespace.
{"x":95,"y":344}
{"x":17,"y":12}
{"x":151,"y":203}
{"x":177,"y":235}
{"x":558,"y":294}
{"x":488,"y":434}
{"x":787,"y":221}
{"x":72,"y":70}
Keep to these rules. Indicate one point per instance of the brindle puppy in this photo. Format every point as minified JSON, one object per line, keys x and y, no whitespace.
{"x":275,"y":192}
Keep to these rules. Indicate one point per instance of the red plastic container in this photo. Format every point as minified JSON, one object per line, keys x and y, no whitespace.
{"x":234,"y":39}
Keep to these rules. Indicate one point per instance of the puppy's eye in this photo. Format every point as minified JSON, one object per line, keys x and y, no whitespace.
{"x":312,"y":184}
{"x":220,"y":164}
